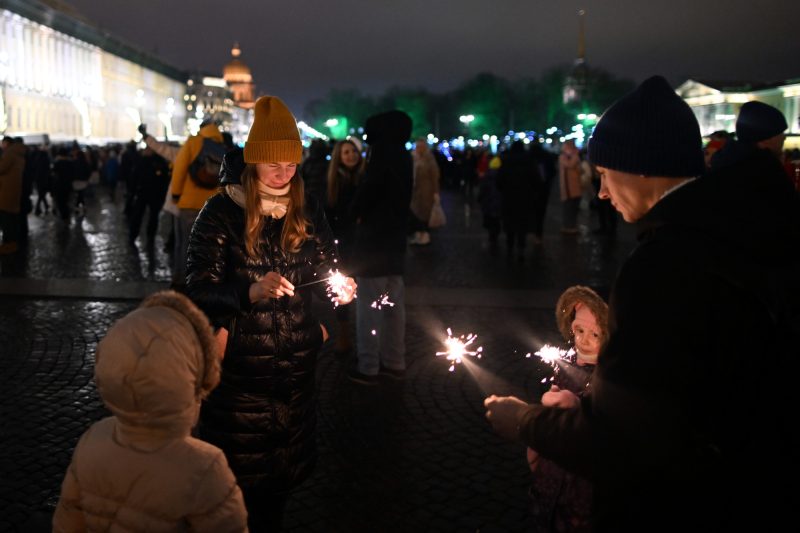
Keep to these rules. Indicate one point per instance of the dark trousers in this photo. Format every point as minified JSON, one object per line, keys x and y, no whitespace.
{"x":153,"y":207}
{"x":264,"y":510}
{"x":9,"y":226}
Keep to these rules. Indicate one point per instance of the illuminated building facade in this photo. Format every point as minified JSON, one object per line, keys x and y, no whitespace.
{"x":716,"y":105}
{"x":61,"y":76}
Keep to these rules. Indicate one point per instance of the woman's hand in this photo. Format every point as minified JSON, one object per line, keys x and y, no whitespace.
{"x":348,"y":293}
{"x":557,"y":397}
{"x":273,"y":285}
{"x":325,"y":335}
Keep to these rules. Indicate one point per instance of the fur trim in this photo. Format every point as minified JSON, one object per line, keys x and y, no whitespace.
{"x":202,"y":327}
{"x":565,"y":311}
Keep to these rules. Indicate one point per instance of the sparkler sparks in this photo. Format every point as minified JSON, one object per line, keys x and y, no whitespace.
{"x":382,"y":301}
{"x":457,"y":348}
{"x":553,"y":356}
{"x":337,"y":286}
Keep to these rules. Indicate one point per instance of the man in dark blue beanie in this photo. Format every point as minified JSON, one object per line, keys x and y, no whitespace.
{"x":762,"y":125}
{"x":682,"y":429}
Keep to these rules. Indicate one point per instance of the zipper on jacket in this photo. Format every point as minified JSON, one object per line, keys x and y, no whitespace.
{"x":270,"y":223}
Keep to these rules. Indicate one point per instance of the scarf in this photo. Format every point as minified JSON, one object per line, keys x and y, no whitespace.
{"x":274,"y":202}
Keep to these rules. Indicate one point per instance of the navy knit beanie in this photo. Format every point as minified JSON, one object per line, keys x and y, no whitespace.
{"x":758,"y":121}
{"x":650,"y":131}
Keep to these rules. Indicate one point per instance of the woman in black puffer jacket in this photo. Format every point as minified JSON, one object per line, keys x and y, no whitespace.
{"x":248,"y":249}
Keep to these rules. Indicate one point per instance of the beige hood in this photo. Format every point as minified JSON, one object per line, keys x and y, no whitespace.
{"x":155,"y":365}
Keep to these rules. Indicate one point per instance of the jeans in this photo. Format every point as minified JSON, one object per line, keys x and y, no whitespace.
{"x":381,"y":332}
{"x":183,"y":227}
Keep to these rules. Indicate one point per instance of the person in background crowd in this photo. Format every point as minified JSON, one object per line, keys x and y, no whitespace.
{"x":188,"y":195}
{"x":762,"y":125}
{"x":251,"y":246}
{"x":381,"y":210}
{"x":140,"y":469}
{"x":80,"y":181}
{"x":569,"y":170}
{"x":152,"y":178}
{"x":491,"y":202}
{"x":546,"y":163}
{"x":759,"y":127}
{"x":126,"y":163}
{"x":710,"y":291}
{"x":12,"y":166}
{"x":63,"y":175}
{"x":344,"y":174}
{"x":111,"y":171}
{"x":42,"y":178}
{"x":169,"y":152}
{"x":425,"y":192}
{"x":716,"y":141}
{"x":517,"y":181}
{"x":25,"y":204}
{"x":314,"y":171}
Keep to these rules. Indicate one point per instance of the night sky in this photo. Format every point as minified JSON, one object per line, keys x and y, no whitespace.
{"x":300,"y":49}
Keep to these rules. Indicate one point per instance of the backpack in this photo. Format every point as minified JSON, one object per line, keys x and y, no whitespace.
{"x":204,"y":170}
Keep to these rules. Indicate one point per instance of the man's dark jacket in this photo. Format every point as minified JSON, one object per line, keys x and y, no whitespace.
{"x":690,"y":422}
{"x":383,"y":197}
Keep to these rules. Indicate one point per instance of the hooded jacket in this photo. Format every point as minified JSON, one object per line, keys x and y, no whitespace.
{"x":383,"y":197}
{"x":140,"y":470}
{"x":691,"y":417}
{"x":262,"y":414}
{"x":12,"y":165}
{"x":191,"y":195}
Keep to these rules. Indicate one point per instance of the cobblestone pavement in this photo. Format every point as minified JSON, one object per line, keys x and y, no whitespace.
{"x":415,"y":455}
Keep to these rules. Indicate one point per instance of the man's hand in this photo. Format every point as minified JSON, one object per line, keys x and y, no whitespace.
{"x":504,"y":414}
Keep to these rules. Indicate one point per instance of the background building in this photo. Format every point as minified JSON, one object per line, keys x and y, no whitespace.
{"x":62,"y":76}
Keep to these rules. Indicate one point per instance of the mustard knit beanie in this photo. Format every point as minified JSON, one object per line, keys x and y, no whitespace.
{"x":274,"y":135}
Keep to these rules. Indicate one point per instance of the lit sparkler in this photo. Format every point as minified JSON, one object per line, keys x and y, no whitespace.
{"x":553,"y":356}
{"x":337,"y":285}
{"x":457,"y":348}
{"x":382,"y":301}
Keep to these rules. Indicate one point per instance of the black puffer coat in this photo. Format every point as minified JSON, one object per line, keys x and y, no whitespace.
{"x":262,"y":414}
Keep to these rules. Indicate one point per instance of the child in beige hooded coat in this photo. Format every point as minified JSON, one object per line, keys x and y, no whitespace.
{"x":140,"y":470}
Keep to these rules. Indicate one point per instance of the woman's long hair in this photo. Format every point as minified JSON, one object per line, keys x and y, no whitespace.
{"x":295,"y":226}
{"x":339,"y":175}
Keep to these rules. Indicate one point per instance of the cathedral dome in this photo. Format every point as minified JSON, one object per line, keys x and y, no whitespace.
{"x":236,"y":71}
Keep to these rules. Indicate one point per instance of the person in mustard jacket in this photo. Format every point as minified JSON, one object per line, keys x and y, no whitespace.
{"x":188,"y":195}
{"x":140,"y":469}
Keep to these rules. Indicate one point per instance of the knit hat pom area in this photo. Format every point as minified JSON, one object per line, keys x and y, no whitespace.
{"x":274,"y":136}
{"x":650,"y":131}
